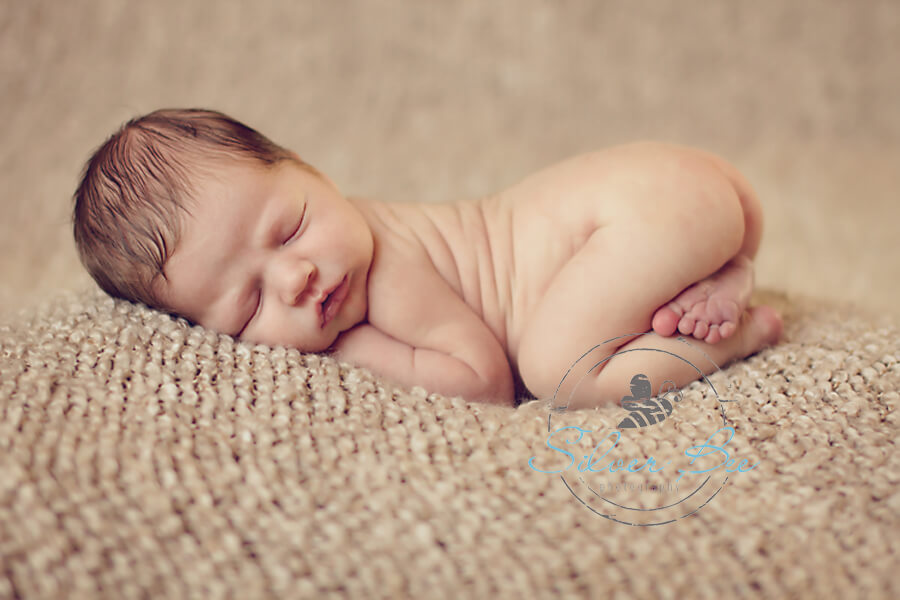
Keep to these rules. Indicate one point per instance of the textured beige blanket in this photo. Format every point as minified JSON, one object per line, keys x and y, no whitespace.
{"x":140,"y":457}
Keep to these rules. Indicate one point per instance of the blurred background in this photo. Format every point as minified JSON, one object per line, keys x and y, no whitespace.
{"x":433,"y":101}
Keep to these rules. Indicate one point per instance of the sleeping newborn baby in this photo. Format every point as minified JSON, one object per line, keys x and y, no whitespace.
{"x":194,"y":213}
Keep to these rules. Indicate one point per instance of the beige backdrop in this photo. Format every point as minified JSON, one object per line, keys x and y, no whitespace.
{"x":433,"y":101}
{"x":141,"y":455}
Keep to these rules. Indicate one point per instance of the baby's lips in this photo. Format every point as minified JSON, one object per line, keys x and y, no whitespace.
{"x":334,"y":298}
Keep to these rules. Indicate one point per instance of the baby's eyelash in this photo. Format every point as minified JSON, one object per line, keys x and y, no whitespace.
{"x":252,"y":316}
{"x":297,"y":230}
{"x":258,"y":304}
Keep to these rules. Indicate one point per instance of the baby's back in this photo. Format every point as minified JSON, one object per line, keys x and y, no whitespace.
{"x":500,"y":253}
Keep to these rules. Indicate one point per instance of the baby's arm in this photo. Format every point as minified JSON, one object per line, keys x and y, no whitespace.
{"x":420,"y":332}
{"x":437,"y":371}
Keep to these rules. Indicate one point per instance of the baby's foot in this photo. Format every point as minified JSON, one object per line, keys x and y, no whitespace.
{"x":711,"y":309}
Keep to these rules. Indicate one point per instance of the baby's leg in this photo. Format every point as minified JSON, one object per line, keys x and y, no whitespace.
{"x":661,"y":233}
{"x":665,"y":359}
{"x":711,"y":308}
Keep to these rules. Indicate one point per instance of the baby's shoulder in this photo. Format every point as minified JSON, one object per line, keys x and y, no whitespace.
{"x":394,"y":224}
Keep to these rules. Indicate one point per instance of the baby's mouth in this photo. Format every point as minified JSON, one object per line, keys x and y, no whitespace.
{"x":332,"y":302}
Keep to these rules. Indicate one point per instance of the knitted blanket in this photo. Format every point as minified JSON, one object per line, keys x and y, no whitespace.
{"x":140,"y":456}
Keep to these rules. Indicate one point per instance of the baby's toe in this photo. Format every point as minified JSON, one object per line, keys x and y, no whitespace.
{"x":686,"y":324}
{"x":665,"y":321}
{"x":701,"y":329}
{"x":727,"y":329}
{"x":713,"y":337}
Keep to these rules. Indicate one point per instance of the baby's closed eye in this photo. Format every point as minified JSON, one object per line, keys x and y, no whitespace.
{"x":296,"y":231}
{"x":257,"y":306}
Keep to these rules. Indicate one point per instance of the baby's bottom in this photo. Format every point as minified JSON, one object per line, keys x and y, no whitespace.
{"x":695,"y":221}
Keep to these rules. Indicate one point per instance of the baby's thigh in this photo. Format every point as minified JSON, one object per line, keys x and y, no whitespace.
{"x":601,"y":293}
{"x":605,"y":294}
{"x":668,"y":219}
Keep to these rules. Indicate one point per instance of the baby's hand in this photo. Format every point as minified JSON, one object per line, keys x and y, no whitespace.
{"x":354,"y":345}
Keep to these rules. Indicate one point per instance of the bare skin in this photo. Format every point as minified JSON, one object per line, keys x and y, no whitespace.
{"x":476,"y":298}
{"x":711,"y":309}
{"x":534,"y":262}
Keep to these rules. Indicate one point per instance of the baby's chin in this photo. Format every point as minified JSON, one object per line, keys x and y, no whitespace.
{"x":317,"y":347}
{"x":320,"y":344}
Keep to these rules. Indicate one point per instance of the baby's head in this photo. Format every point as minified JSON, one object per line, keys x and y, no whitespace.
{"x":194,"y":213}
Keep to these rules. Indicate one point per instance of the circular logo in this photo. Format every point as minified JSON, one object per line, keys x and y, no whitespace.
{"x":643,"y":492}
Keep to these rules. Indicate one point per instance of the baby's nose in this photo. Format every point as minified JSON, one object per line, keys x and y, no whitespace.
{"x":293,"y":279}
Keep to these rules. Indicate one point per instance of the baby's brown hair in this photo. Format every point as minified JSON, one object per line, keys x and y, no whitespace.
{"x":135,"y":189}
